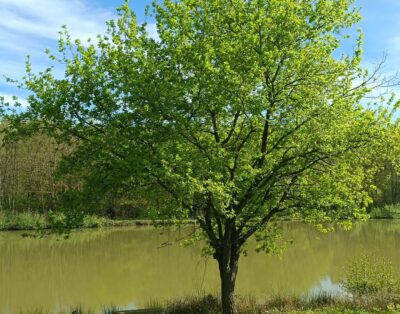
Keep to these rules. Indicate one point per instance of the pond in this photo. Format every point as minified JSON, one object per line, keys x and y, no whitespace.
{"x":131,"y":267}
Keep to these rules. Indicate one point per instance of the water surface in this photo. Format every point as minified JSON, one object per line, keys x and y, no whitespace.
{"x":130,"y":267}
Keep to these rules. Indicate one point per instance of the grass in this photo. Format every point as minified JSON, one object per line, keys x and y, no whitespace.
{"x":281,"y":304}
{"x":209,"y":304}
{"x":386,"y":212}
{"x":22,"y":221}
{"x":56,"y":220}
{"x":36,"y":221}
{"x":59,"y":221}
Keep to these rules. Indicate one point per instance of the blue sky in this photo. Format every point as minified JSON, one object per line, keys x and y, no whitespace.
{"x":31,"y":26}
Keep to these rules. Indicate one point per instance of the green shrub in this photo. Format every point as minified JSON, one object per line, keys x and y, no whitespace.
{"x":93,"y":221}
{"x":22,"y":221}
{"x":28,"y":220}
{"x":387,"y":211}
{"x":370,"y":279}
{"x":59,"y":220}
{"x":56,"y":220}
{"x":66,"y":219}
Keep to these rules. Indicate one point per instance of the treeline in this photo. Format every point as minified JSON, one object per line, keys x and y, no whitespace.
{"x":30,"y":181}
{"x":28,"y":178}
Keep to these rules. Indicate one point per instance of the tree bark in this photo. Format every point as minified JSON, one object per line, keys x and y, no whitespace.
{"x":228,"y":266}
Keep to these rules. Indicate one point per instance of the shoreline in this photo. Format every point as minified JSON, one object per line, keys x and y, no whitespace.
{"x":289,"y":304}
{"x":28,"y":221}
{"x":40,"y":222}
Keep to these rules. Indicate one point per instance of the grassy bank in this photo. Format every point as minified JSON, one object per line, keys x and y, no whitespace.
{"x":286,"y":304}
{"x":246,"y":305}
{"x":36,"y":221}
{"x":58,"y":220}
{"x":386,"y":212}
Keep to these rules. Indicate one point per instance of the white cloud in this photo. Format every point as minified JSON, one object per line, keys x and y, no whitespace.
{"x":30,"y":26}
{"x":8,"y":98}
{"x":44,"y":18}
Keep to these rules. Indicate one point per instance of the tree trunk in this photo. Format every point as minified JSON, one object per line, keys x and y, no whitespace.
{"x":228,"y":267}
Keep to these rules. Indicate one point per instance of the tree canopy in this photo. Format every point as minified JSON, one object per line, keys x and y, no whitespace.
{"x":241,"y":111}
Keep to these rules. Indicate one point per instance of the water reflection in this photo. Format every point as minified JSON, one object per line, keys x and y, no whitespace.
{"x":130,"y":267}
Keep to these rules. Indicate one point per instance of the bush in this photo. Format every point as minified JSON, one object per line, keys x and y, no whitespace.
{"x":66,"y":219}
{"x":61,"y":220}
{"x":22,"y":221}
{"x":56,"y":220}
{"x":387,"y":211}
{"x":28,"y":220}
{"x":93,"y":221}
{"x":369,"y":279}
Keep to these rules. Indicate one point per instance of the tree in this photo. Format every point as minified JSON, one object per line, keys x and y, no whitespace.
{"x":241,"y":111}
{"x":27,"y":174}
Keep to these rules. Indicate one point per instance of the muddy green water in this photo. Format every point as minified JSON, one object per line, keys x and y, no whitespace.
{"x":131,"y":267}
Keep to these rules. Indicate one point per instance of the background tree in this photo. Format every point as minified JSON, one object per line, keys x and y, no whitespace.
{"x":27,"y":174}
{"x":34,"y":177}
{"x":242,"y":111}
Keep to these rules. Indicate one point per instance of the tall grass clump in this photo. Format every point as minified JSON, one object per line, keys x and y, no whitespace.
{"x":93,"y":221}
{"x":22,"y":221}
{"x":386,"y":212}
{"x":56,"y":220}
